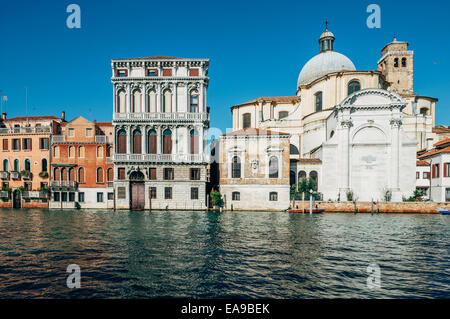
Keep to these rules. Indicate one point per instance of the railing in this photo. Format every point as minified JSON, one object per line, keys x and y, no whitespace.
{"x":109,"y":160}
{"x":161,"y":116}
{"x":180,"y":158}
{"x":99,"y":139}
{"x":34,"y":194}
{"x":15,"y":175}
{"x":4,"y":194}
{"x":109,"y":184}
{"x":4,"y":175}
{"x":58,"y":138}
{"x":26,"y":130}
{"x":71,"y":184}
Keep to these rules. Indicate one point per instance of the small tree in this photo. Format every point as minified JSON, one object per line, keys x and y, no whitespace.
{"x":350,"y":195}
{"x":216,"y":198}
{"x":305,"y":185}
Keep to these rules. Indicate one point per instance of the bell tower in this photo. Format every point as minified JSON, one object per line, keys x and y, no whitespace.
{"x":396,"y":64}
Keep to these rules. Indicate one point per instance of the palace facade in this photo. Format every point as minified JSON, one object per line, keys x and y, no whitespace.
{"x":160,"y":119}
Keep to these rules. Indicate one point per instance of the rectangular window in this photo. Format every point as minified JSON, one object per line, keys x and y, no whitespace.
{"x":167,"y":72}
{"x":56,"y":196}
{"x":99,"y":197}
{"x":26,"y":144}
{"x":71,"y":196}
{"x":168,"y":193}
{"x":81,"y":197}
{"x":417,"y":175}
{"x":273,"y":196}
{"x":64,"y":196}
{"x":16,"y":144}
{"x":194,"y":192}
{"x":195,"y":174}
{"x":121,"y":193}
{"x":27,"y":186}
{"x":152,"y":173}
{"x":235,"y":196}
{"x":89,"y":132}
{"x":153,"y":192}
{"x":446,"y":170}
{"x":426,"y":175}
{"x":5,"y":144}
{"x":121,"y":73}
{"x":110,"y":196}
{"x":121,"y":173}
{"x":193,"y":72}
{"x":152,"y":72}
{"x":168,"y":173}
{"x":71,"y":132}
{"x":43,"y":143}
{"x":435,"y":170}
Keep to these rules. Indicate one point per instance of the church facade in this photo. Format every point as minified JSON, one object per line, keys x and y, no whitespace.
{"x":351,"y":131}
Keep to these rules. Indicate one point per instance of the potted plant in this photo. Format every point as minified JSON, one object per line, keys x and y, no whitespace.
{"x":25,"y":174}
{"x":217,"y":200}
{"x":43,"y":174}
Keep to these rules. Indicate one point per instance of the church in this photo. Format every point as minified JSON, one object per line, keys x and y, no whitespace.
{"x":351,"y":131}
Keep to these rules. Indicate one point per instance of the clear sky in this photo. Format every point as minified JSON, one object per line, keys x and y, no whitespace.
{"x":256,"y":48}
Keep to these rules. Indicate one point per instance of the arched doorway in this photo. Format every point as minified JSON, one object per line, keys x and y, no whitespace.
{"x":137,"y":190}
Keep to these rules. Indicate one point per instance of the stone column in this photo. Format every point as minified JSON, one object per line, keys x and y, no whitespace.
{"x":158,"y":98}
{"x":395,"y":151}
{"x":346,"y":125}
{"x":144,"y":140}
{"x":158,"y":140}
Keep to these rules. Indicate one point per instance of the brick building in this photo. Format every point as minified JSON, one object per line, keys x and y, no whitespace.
{"x":82,"y":169}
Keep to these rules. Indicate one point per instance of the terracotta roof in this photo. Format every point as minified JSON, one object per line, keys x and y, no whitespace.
{"x":33,"y":118}
{"x":435,"y":151}
{"x":159,"y":57}
{"x":422,"y":163}
{"x":254,"y":132}
{"x":441,"y":129}
{"x":309,"y":160}
{"x":442,"y":142}
{"x":104,"y":123}
{"x":281,"y":99}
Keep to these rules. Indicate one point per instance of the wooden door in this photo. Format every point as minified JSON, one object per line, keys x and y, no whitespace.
{"x":137,"y":196}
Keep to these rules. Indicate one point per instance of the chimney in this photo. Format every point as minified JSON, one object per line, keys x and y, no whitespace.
{"x":63,"y":115}
{"x":4,"y":115}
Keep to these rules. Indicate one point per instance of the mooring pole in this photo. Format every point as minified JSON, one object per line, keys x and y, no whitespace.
{"x":378,"y":208}
{"x":310,"y":201}
{"x":371,"y":211}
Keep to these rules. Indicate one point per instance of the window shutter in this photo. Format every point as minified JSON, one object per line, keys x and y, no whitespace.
{"x":5,"y":144}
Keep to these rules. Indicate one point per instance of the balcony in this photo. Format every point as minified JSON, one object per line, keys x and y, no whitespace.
{"x":63,"y":184}
{"x":4,"y":175}
{"x":162,"y":117}
{"x":26,"y":130}
{"x":15,"y":175}
{"x":99,"y":139}
{"x":4,"y":194}
{"x":35,"y":194}
{"x":58,"y":138}
{"x":160,"y":158}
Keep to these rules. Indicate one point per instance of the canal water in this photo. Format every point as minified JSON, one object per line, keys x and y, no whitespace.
{"x":231,"y":254}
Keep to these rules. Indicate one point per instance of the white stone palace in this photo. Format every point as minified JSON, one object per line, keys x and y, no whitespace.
{"x":160,"y":121}
{"x":351,"y":131}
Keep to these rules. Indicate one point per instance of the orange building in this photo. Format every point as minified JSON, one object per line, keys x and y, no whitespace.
{"x":25,"y":147}
{"x":82,"y":169}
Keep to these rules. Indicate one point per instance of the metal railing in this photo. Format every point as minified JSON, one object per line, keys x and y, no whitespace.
{"x":26,"y":130}
{"x":34,"y":194}
{"x":162,"y":116}
{"x":72,"y":184}
{"x":99,"y":139}
{"x":4,"y":175}
{"x":179,"y":158}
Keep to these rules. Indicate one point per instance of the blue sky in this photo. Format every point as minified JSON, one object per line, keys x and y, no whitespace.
{"x":256,"y":48}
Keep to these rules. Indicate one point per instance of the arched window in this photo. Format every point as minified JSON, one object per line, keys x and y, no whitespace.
{"x":110,"y":174}
{"x":56,"y":152}
{"x":99,"y":151}
{"x":236,"y":196}
{"x":100,"y":178}
{"x":194,"y":142}
{"x":151,"y":102}
{"x":236,"y":167}
{"x":16,"y":165}
{"x":137,"y":142}
{"x":63,"y":174}
{"x":81,"y":176}
{"x":71,"y":174}
{"x":56,"y":174}
{"x":273,"y":167}
{"x":331,"y":134}
{"x":121,"y":102}
{"x":314,"y":176}
{"x":27,"y":166}
{"x":247,"y":120}
{"x":81,"y":152}
{"x":151,"y":142}
{"x":193,"y":101}
{"x":293,"y":149}
{"x":404,"y":62}
{"x":71,"y":152}
{"x":396,"y":62}
{"x":5,"y":165}
{"x":137,"y":102}
{"x":121,"y":142}
{"x":167,"y":142}
{"x":318,"y":101}
{"x":108,"y":151}
{"x":44,"y":166}
{"x":353,"y":86}
{"x":167,"y":101}
{"x":283,"y":114}
{"x":301,"y":176}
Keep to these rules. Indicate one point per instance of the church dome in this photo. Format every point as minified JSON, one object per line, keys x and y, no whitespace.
{"x":327,"y":61}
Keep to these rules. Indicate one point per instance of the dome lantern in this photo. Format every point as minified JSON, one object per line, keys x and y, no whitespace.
{"x":326,"y":41}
